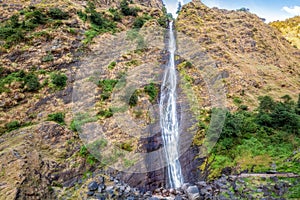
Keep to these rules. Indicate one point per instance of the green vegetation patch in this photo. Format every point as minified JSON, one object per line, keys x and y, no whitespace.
{"x":112,"y":65}
{"x":92,"y":150}
{"x":99,"y":23}
{"x":29,"y":81}
{"x":15,"y":29}
{"x":57,"y":117}
{"x":58,"y":80}
{"x":80,"y":119}
{"x":152,"y":90}
{"x":128,"y":11}
{"x":107,"y":86}
{"x":259,"y":140}
{"x":141,"y":20}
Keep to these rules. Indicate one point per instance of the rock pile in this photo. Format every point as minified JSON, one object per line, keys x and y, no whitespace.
{"x":226,"y":187}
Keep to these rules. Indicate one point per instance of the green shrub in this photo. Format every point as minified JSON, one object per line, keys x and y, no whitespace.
{"x":140,"y":21}
{"x":57,"y":117}
{"x":107,"y":86}
{"x":32,"y":82}
{"x":12,"y":126}
{"x":99,"y":24}
{"x":126,"y":10}
{"x":116,"y":14}
{"x":297,"y":110}
{"x":237,"y":100}
{"x":89,"y":35}
{"x":243,"y":9}
{"x":165,"y":18}
{"x":152,"y":91}
{"x":83,"y":16}
{"x":80,"y":119}
{"x":83,"y":151}
{"x":133,"y":100}
{"x":112,"y":65}
{"x":58,"y":80}
{"x":90,"y":7}
{"x":36,"y":17}
{"x":15,"y":76}
{"x":188,"y":64}
{"x":11,"y":32}
{"x":132,"y":63}
{"x":126,"y":146}
{"x":49,"y":57}
{"x":89,"y":151}
{"x":105,"y":113}
{"x":96,"y":19}
{"x":14,"y":30}
{"x":56,"y":13}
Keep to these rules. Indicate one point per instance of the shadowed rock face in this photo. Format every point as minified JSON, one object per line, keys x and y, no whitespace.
{"x":189,"y":162}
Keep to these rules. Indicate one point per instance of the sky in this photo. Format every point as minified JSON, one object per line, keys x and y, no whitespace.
{"x":271,"y":10}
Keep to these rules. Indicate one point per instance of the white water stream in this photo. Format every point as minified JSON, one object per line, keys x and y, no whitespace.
{"x":168,"y":116}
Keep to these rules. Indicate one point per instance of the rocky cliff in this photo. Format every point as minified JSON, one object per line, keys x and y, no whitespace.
{"x":45,"y":47}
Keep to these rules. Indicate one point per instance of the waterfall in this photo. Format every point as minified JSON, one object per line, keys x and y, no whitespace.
{"x":168,"y":116}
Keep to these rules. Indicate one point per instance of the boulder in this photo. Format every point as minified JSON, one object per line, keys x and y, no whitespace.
{"x":93,"y":186}
{"x":193,"y":193}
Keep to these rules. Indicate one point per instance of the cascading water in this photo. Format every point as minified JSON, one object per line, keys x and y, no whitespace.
{"x":168,"y":116}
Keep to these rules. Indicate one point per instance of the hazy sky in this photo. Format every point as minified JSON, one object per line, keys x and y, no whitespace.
{"x":271,"y":10}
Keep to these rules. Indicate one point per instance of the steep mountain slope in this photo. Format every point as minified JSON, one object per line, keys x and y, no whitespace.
{"x":45,"y":46}
{"x":252,"y":56}
{"x":232,"y":60}
{"x":290,"y":28}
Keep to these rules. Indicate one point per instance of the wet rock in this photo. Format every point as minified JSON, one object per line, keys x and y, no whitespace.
{"x":90,"y":193}
{"x":201,"y":184}
{"x":110,"y":189}
{"x":93,"y":186}
{"x":178,"y":197}
{"x":193,"y":193}
{"x":172,"y":191}
{"x":153,"y":198}
{"x":101,"y":179}
{"x":185,"y":186}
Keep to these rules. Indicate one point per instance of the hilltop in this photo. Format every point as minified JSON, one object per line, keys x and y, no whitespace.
{"x":290,"y":28}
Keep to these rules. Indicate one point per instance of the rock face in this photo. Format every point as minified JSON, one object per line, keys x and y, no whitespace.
{"x":33,"y":159}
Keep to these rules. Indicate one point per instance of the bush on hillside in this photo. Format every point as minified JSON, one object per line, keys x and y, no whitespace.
{"x":58,"y":80}
{"x":140,"y":21}
{"x":56,"y":13}
{"x":32,"y":82}
{"x":128,"y":11}
{"x":57,"y":117}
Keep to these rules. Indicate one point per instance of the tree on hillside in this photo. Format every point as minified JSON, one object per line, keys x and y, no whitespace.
{"x":179,"y":7}
{"x":243,"y":9}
